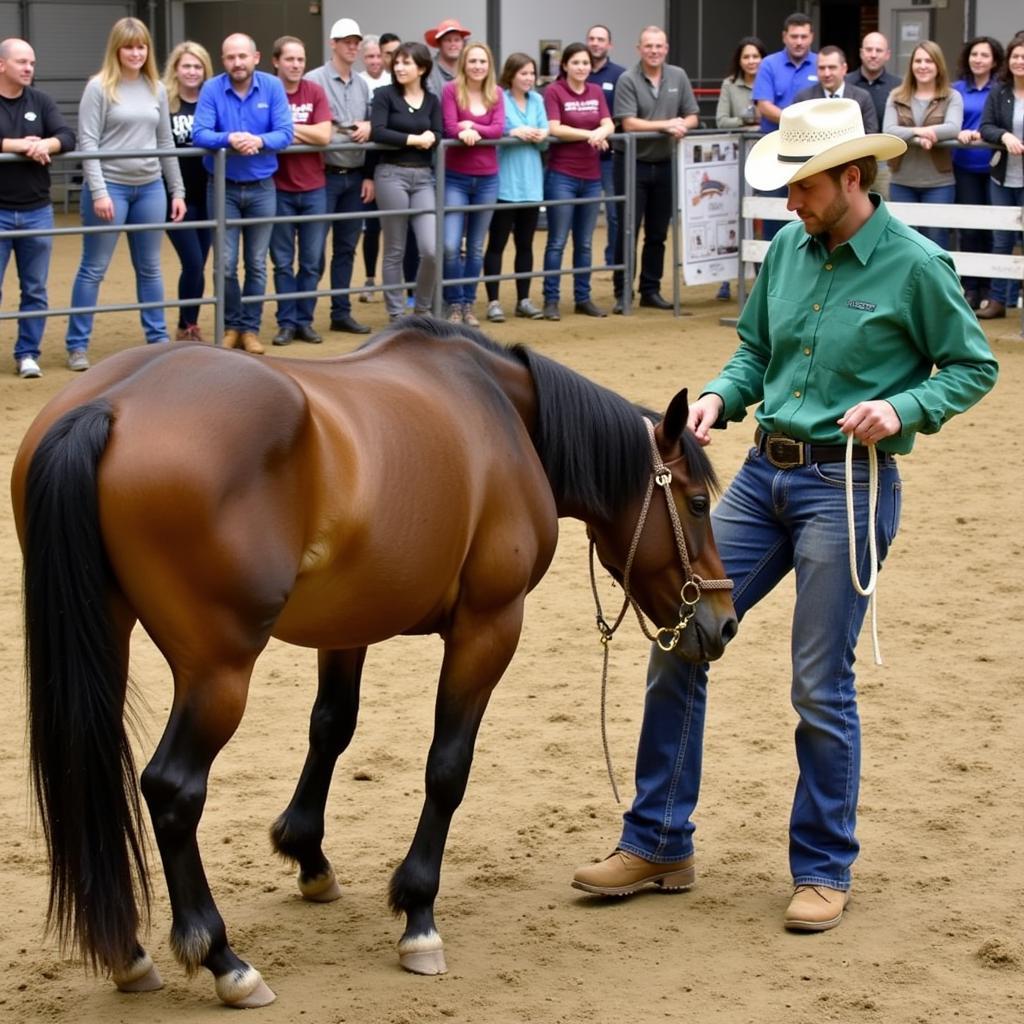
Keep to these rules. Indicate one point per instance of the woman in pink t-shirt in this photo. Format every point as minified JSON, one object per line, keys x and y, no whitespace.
{"x":473,"y":109}
{"x":578,"y":117}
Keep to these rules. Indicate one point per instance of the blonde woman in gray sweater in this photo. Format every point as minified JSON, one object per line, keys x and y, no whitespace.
{"x":124,"y":106}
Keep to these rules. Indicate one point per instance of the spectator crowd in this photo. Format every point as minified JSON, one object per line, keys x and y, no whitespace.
{"x":965,"y":137}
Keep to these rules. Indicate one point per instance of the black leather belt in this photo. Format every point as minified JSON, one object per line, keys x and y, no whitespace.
{"x":787,"y":452}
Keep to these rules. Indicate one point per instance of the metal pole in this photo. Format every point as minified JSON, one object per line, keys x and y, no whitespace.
{"x":439,"y":229}
{"x":220,"y":162}
{"x":628,"y":224}
{"x":676,"y":228}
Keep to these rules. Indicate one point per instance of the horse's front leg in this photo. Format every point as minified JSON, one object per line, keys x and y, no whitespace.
{"x":207,"y":709}
{"x":298,"y":833}
{"x":477,"y":651}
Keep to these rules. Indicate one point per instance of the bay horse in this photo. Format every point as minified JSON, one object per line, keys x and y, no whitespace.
{"x":218,"y":499}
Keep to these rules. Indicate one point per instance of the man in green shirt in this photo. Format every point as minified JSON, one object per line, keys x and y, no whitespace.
{"x":856,"y":328}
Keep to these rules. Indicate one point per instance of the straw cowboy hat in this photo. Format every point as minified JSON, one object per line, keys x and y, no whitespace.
{"x":814,"y":136}
{"x":448,"y":25}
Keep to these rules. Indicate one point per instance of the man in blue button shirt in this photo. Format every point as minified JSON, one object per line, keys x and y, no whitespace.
{"x":246,"y":112}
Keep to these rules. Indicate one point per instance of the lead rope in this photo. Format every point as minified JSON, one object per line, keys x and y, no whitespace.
{"x":689,"y":596}
{"x":869,"y":589}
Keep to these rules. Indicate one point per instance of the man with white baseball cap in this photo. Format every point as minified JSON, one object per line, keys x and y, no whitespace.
{"x":855,"y":329}
{"x":349,"y":185}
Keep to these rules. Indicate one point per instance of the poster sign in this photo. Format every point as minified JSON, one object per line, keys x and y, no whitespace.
{"x":709,"y":197}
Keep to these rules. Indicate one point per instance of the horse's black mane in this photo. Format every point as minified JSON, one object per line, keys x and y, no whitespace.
{"x":591,"y":441}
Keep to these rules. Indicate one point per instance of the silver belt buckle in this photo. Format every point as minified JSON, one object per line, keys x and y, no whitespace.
{"x":783,"y":452}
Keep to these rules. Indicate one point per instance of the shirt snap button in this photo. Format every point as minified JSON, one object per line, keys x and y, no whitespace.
{"x":816,"y":307}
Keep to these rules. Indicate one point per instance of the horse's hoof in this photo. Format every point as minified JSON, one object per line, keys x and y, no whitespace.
{"x":140,"y":976}
{"x":321,"y":889}
{"x":423,"y":954}
{"x":244,"y":989}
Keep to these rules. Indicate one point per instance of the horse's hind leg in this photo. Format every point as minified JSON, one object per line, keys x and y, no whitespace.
{"x":298,"y":833}
{"x":475,"y":657}
{"x":206,"y":713}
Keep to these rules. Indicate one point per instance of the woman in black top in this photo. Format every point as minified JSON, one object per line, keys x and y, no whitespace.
{"x":188,"y":66}
{"x":407,"y":116}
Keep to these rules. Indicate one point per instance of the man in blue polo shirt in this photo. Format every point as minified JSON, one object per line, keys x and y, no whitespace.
{"x":779,"y":78}
{"x":246,"y":112}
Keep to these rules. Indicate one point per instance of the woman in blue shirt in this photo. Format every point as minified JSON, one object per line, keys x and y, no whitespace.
{"x":980,"y":59}
{"x":520,"y":180}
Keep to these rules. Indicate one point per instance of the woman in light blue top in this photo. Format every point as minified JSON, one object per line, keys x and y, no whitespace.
{"x":520,"y":180}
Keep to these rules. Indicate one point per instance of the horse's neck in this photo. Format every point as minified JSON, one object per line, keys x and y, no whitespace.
{"x":515,"y":381}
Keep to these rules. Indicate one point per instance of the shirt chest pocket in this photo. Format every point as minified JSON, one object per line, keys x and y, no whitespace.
{"x":847,"y":341}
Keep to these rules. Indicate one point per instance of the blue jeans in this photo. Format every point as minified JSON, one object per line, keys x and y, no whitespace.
{"x":581,"y":220}
{"x":462,"y":190}
{"x":192,"y":246}
{"x":344,"y":195}
{"x":611,"y":210}
{"x":246,"y":199}
{"x":938,"y":194}
{"x":769,"y":522}
{"x":32,"y":258}
{"x":1004,"y":290}
{"x":133,"y":204}
{"x":310,"y":237}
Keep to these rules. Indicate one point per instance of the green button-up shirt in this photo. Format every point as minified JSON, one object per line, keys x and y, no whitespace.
{"x":871,"y":320}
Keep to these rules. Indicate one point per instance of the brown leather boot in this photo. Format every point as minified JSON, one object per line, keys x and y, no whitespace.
{"x":622,"y":874}
{"x":991,"y":309}
{"x":230,"y":339}
{"x":815,"y":908}
{"x":251,"y":343}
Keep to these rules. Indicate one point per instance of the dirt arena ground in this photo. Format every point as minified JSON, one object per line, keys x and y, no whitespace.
{"x":934,"y":930}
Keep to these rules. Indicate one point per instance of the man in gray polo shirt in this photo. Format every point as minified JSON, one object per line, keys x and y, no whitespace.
{"x":652,"y":96}
{"x":348,"y":186}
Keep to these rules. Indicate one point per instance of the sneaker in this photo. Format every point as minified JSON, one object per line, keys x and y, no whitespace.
{"x":724,"y":292}
{"x":78,"y":360}
{"x":815,"y":908}
{"x":190,"y":332}
{"x":494,"y":312}
{"x":455,"y":315}
{"x":525,"y":308}
{"x":551,"y":311}
{"x":469,"y":317}
{"x":365,"y":296}
{"x":622,"y":874}
{"x":28,"y":367}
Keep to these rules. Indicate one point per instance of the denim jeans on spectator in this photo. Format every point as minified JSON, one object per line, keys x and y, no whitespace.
{"x":768,"y":523}
{"x":32,"y":259}
{"x":243,"y":200}
{"x":612,"y":210}
{"x":937,"y":194}
{"x":465,"y":190}
{"x":580,"y":219}
{"x":344,"y":195}
{"x":192,"y":246}
{"x":309,"y":238}
{"x":133,"y":204}
{"x":972,"y":190}
{"x":1005,"y":290}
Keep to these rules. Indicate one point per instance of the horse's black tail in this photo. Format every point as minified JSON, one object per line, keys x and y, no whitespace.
{"x":82,"y":767}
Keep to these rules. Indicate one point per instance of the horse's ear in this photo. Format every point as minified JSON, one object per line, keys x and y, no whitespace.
{"x":674,"y":423}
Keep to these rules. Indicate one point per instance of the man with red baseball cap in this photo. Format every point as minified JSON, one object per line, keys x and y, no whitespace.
{"x":448,"y":38}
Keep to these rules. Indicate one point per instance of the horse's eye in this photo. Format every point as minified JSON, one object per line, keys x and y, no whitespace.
{"x":699,"y":505}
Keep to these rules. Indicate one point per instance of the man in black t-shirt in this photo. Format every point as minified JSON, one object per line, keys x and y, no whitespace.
{"x":31,"y":126}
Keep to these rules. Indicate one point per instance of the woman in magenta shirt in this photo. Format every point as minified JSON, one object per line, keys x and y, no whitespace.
{"x":578,"y":117}
{"x":473,"y":109}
